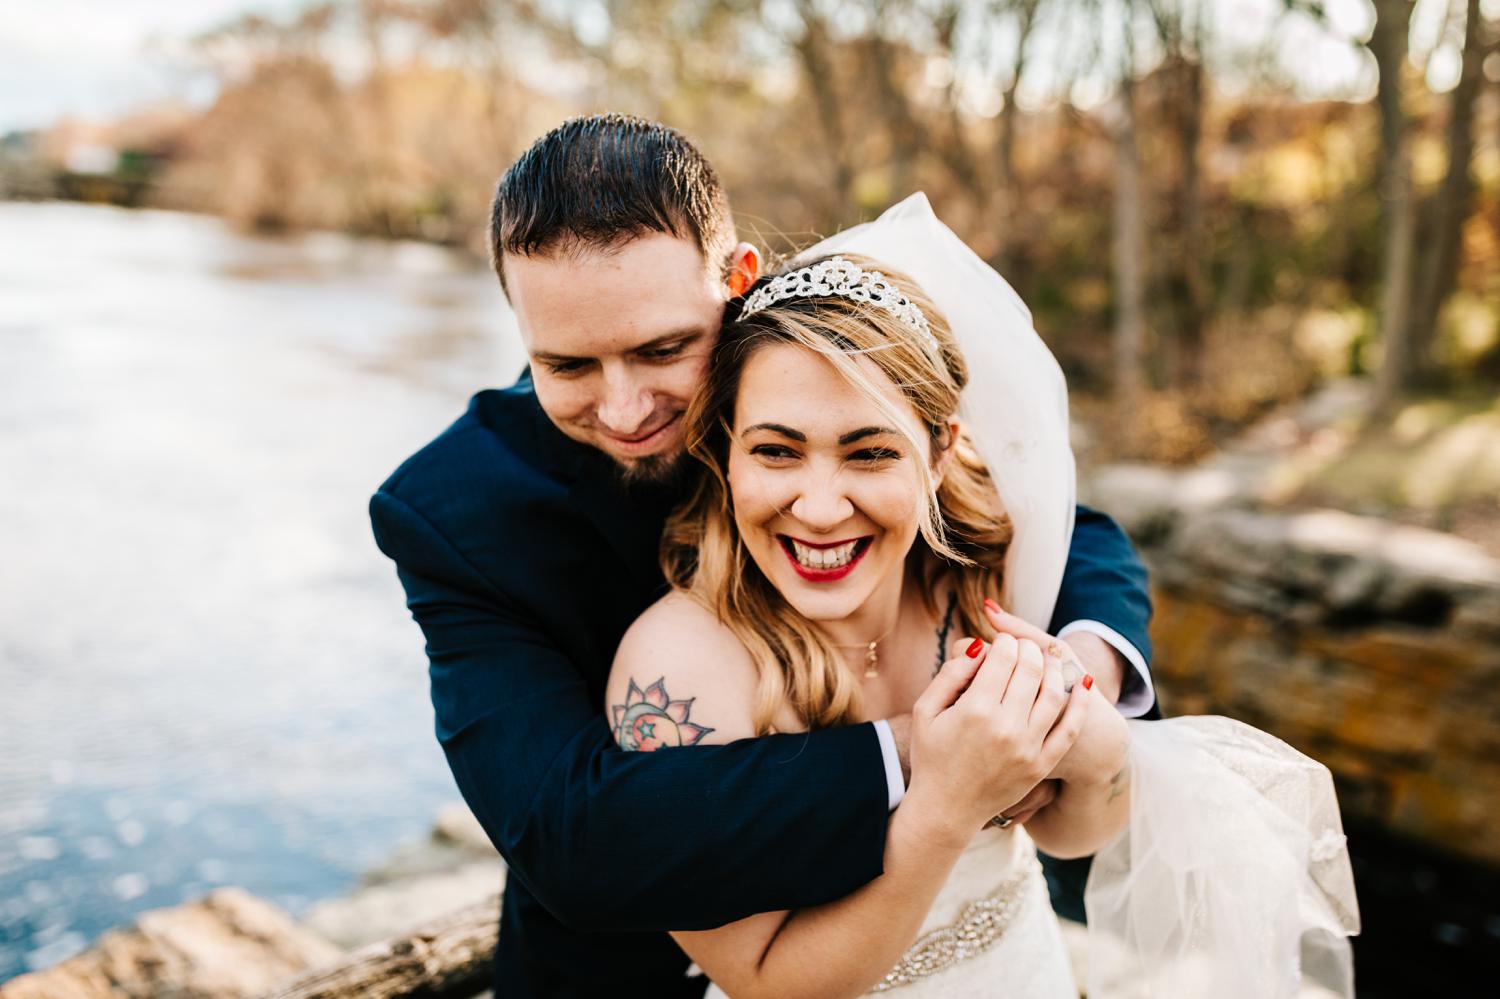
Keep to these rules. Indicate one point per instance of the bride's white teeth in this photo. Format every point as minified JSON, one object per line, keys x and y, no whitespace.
{"x":824,"y":558}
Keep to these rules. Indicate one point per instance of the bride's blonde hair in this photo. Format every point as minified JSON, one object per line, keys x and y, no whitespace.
{"x":964,"y":530}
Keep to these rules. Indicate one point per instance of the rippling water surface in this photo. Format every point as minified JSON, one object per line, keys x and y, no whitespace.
{"x":207,"y":675}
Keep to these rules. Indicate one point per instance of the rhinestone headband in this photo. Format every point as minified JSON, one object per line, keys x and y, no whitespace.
{"x":844,"y":279}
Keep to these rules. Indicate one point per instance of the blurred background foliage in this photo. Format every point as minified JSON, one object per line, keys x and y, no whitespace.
{"x":1199,"y":239}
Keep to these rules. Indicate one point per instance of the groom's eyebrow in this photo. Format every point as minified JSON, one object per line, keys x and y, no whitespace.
{"x":688,"y":333}
{"x":652,"y":344}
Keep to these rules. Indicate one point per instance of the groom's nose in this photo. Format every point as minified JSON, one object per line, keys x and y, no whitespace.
{"x":625,"y":403}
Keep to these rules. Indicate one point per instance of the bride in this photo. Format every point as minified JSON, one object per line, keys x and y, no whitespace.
{"x":885,"y":444}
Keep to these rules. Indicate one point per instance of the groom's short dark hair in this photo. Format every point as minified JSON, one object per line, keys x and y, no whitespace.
{"x":604,"y":180}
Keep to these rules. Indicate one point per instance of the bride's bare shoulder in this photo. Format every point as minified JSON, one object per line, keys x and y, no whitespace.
{"x":678,"y":662}
{"x":678,"y":627}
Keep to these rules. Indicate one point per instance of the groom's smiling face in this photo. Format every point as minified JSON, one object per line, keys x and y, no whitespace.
{"x":619,"y":339}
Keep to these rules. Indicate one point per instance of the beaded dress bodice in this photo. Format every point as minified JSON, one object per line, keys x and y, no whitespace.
{"x":990,"y":932}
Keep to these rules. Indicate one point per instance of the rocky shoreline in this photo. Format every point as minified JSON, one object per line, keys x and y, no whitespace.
{"x":1371,"y":646}
{"x":231,"y":944}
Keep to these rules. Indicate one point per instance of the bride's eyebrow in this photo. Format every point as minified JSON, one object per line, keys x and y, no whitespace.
{"x":777,"y":428}
{"x":797,"y":435}
{"x":863,"y":432}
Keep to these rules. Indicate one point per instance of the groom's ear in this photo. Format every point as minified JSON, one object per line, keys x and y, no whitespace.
{"x":744,"y":268}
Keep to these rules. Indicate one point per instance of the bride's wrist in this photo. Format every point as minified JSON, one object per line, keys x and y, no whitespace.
{"x":932,"y":822}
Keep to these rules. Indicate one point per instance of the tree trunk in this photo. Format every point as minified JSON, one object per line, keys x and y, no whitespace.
{"x":1450,"y":206}
{"x":1388,"y":43}
{"x":906,"y":134}
{"x":1193,"y":310}
{"x":1181,"y":27}
{"x":1128,"y":254}
{"x":451,"y":957}
{"x":813,"y":51}
{"x":1005,"y":152}
{"x":956,"y":153}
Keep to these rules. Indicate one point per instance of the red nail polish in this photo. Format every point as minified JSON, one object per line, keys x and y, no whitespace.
{"x":991,"y":606}
{"x":974,"y":647}
{"x":1088,"y":681}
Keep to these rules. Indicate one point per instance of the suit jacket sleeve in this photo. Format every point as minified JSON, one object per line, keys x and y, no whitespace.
{"x":605,"y":839}
{"x":1104,"y":581}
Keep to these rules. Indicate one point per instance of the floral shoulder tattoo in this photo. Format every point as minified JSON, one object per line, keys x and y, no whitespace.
{"x":649,"y":720}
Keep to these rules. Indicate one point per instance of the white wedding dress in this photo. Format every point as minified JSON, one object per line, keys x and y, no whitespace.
{"x":1232,"y":880}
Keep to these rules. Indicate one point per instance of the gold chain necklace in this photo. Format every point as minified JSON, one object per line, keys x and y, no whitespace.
{"x":872,"y":649}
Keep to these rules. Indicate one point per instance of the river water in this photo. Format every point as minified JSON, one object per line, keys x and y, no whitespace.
{"x":207,"y":674}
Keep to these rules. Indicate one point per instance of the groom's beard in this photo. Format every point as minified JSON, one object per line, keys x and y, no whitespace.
{"x":657,"y":472}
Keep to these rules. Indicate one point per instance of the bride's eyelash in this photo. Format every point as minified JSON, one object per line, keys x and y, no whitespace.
{"x":873,"y":454}
{"x":870,"y":455}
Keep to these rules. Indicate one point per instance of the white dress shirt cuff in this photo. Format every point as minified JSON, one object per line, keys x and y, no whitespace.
{"x":1136,"y":698}
{"x":895,"y":784}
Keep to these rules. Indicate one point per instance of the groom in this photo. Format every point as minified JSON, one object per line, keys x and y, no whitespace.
{"x":526,"y":536}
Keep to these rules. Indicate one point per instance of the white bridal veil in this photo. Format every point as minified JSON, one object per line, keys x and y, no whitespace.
{"x":1232,"y":879}
{"x":1016,"y":405}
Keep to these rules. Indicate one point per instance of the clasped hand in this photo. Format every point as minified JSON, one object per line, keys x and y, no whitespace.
{"x":996,"y":723}
{"x":1100,"y":750}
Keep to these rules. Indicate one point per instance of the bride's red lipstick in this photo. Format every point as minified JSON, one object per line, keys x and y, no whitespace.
{"x":861,"y":546}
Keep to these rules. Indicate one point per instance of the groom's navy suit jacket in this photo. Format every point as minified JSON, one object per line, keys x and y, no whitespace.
{"x":524,"y":562}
